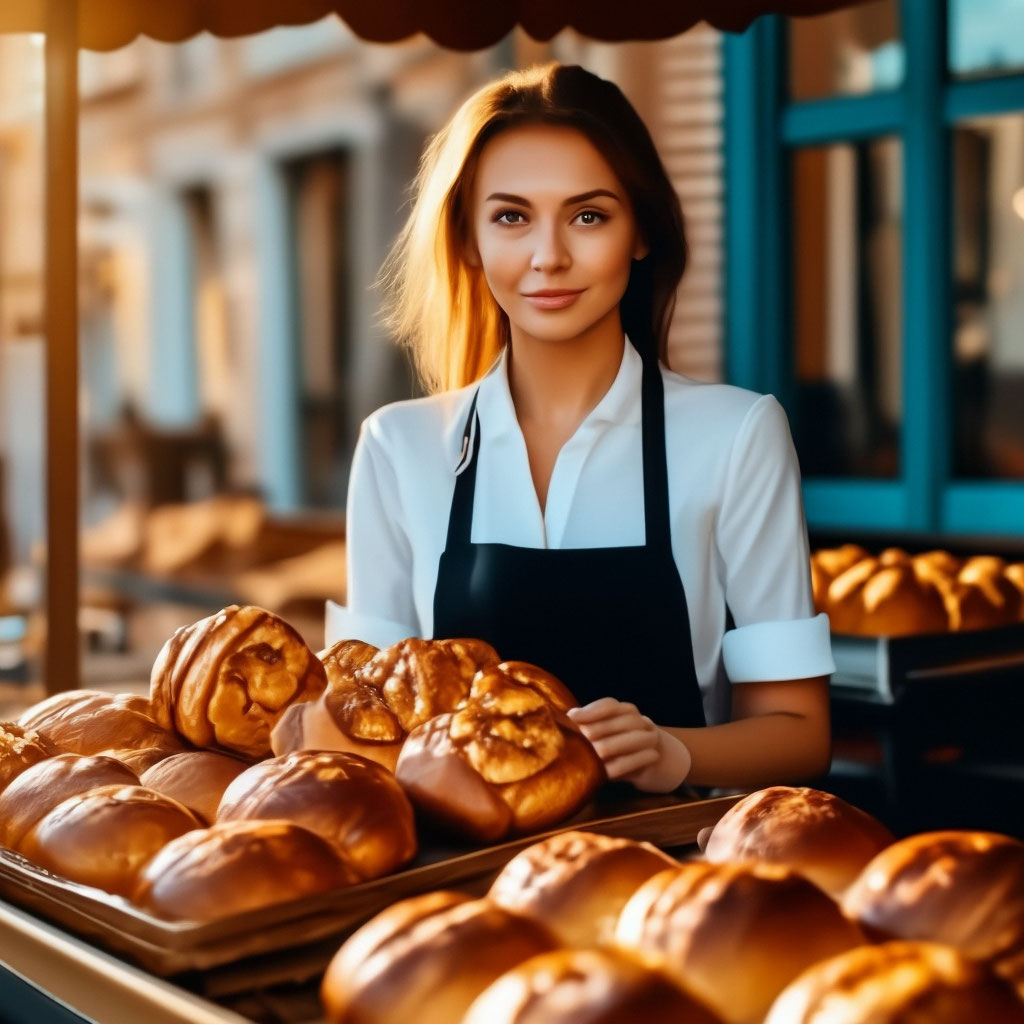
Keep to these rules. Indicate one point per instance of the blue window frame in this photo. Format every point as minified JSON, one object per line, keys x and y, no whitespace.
{"x":763,"y":130}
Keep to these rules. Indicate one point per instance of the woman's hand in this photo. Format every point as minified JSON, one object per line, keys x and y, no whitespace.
{"x":632,"y":747}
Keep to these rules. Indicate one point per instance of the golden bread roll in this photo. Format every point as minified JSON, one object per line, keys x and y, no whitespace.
{"x":418,"y":679}
{"x":586,"y":986}
{"x":104,"y":836}
{"x":733,"y":934}
{"x":196,"y":778}
{"x":897,"y":983}
{"x":982,"y":596}
{"x":814,"y":833}
{"x":577,"y":883}
{"x":90,"y":721}
{"x":506,"y":761}
{"x":875,"y":599}
{"x":938,"y":564}
{"x":224,"y":681}
{"x":961,"y":888}
{"x":41,"y":787}
{"x":834,"y":562}
{"x":142,"y":759}
{"x":234,"y":866}
{"x":843,"y":600}
{"x":20,"y":748}
{"x":354,"y":804}
{"x":425,"y":959}
{"x":1015,"y":574}
{"x":343,"y":660}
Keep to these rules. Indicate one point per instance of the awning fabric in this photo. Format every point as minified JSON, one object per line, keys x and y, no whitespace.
{"x":456,"y":24}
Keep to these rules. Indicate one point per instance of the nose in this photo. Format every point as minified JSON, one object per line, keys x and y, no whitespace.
{"x":550,"y":251}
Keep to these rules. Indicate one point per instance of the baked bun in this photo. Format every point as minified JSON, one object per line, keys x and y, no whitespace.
{"x":143,"y":759}
{"x":223,"y":682}
{"x":834,"y":561}
{"x":577,"y":883}
{"x":981,"y":596}
{"x":196,"y":779}
{"x":343,"y":660}
{"x":20,"y":748}
{"x":103,"y":837}
{"x":90,"y":721}
{"x":505,"y":762}
{"x":426,"y":959}
{"x":375,"y":696}
{"x":964,"y":889}
{"x":419,"y":679}
{"x":812,"y":832}
{"x":885,"y":599}
{"x":733,"y":934}
{"x":897,"y":983}
{"x":354,"y":804}
{"x":41,"y":787}
{"x":585,"y":986}
{"x":235,"y":866}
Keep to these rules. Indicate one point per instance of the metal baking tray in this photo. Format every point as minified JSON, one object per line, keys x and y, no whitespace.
{"x":171,"y":947}
{"x":881,"y":665}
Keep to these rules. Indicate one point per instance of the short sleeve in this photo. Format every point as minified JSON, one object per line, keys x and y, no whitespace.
{"x":380,"y":606}
{"x":762,"y":544}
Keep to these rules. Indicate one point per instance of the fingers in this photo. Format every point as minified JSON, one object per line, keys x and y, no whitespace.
{"x":703,"y":836}
{"x":620,"y":743}
{"x":615,"y":725}
{"x":600,"y":709}
{"x":628,"y":764}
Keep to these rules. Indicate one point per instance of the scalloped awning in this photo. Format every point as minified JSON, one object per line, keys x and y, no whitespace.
{"x":457,"y":24}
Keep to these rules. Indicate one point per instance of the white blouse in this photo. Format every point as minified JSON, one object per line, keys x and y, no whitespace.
{"x":738,"y":532}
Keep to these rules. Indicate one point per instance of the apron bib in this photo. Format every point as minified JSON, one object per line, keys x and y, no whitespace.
{"x":609,"y":622}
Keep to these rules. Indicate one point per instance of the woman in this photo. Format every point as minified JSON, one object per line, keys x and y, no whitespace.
{"x":563,"y":495}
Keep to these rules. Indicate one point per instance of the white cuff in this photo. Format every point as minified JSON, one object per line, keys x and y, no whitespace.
{"x":766,"y":651}
{"x":343,"y":624}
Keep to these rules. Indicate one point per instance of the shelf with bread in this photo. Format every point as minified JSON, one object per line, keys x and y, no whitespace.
{"x":264,"y":800}
{"x":898,"y":618}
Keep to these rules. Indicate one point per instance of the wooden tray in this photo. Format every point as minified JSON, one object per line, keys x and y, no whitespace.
{"x":171,"y":947}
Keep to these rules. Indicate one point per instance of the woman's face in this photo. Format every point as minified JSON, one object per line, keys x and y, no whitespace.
{"x":553,"y":232}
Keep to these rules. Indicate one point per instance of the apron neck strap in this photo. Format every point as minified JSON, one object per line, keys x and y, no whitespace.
{"x":656,"y":514}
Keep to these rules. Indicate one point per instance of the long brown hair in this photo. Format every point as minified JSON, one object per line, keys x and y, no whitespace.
{"x":440,"y":306}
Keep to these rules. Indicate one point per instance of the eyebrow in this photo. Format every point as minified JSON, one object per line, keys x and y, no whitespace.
{"x":507,"y":197}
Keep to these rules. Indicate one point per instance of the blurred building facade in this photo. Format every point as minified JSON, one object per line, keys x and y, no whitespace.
{"x":237,"y":200}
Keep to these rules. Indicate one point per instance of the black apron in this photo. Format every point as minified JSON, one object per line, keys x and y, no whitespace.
{"x":609,"y":622}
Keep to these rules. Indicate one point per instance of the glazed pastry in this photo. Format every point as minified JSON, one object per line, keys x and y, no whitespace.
{"x":196,"y":779}
{"x":812,"y":832}
{"x":577,"y":883}
{"x":586,"y":986}
{"x":733,"y":934}
{"x":223,"y":682}
{"x":425,"y":959}
{"x":90,"y":721}
{"x":104,"y":836}
{"x":40,"y":788}
{"x":235,"y":866}
{"x":505,"y":762}
{"x":897,"y":983}
{"x":353,"y":803}
{"x":20,"y":748}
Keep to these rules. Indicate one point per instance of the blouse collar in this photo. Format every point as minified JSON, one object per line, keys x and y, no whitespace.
{"x":620,"y":404}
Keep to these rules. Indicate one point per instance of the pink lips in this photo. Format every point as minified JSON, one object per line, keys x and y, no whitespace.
{"x":551,"y":298}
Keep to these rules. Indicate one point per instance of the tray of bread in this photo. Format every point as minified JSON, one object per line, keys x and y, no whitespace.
{"x":264,"y":797}
{"x":902,"y":619}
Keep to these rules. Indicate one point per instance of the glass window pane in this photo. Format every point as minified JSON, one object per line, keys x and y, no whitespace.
{"x":847,"y":308}
{"x":988,"y":328}
{"x":986,"y":37}
{"x":850,"y":51}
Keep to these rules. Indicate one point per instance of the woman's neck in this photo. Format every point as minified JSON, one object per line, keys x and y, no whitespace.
{"x":555,"y":385}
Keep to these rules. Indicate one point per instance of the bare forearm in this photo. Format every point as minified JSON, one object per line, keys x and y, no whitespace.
{"x":763,"y":750}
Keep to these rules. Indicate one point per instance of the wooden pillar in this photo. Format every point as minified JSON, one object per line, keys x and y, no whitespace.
{"x":62,"y":663}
